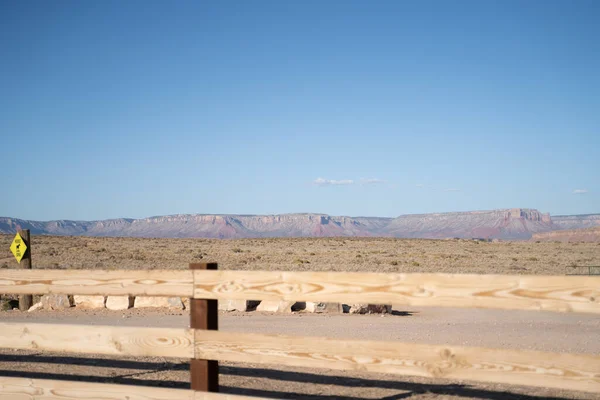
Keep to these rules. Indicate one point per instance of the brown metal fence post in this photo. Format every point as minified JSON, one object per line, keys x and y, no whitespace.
{"x":204,"y":314}
{"x":26,"y":300}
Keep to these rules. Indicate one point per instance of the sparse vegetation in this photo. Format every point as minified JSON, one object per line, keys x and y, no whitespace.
{"x":316,"y":254}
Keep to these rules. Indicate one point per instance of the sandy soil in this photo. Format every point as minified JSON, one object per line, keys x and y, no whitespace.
{"x":303,"y":254}
{"x":574,"y":333}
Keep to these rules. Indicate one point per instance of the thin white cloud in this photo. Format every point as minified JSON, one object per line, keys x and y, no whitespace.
{"x":452,"y":190}
{"x":580,"y":191}
{"x":328,"y":182}
{"x":372,"y":181}
{"x":420,"y":185}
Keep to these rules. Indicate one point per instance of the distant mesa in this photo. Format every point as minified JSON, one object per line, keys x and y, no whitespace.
{"x":569,"y":235}
{"x":505,"y":224}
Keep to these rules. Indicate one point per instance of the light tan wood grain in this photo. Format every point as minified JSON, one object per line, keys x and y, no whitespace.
{"x":223,"y":396}
{"x":42,"y":389}
{"x":97,"y":282}
{"x":566,"y":371}
{"x":551,"y":293}
{"x":124,"y":341}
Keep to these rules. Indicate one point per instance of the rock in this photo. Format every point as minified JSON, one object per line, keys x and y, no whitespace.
{"x":117,"y":303}
{"x":158,"y":302}
{"x":368,"y":308}
{"x":36,"y":306}
{"x":57,"y":301}
{"x":333,"y":308}
{"x":380,"y":308}
{"x":186,"y":303}
{"x":238,"y":305}
{"x":175,"y":303}
{"x":89,"y":301}
{"x":275,"y":306}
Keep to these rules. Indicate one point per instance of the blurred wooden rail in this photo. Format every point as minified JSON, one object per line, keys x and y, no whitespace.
{"x":42,"y":389}
{"x":98,"y":282}
{"x":555,"y":293}
{"x":516,"y":292}
{"x":511,"y":292}
{"x":565,"y":371}
{"x":519,"y":367}
{"x":85,"y":339}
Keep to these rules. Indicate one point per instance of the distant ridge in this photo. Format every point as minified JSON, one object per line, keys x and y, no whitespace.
{"x":570,"y":235}
{"x":507,"y":224}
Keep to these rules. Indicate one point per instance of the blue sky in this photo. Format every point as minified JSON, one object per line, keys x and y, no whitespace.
{"x":140,"y":108}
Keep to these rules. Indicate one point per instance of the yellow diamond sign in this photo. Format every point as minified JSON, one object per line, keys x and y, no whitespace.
{"x":18,"y":247}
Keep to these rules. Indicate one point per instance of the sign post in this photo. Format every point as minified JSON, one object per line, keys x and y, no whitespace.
{"x":21,"y":249}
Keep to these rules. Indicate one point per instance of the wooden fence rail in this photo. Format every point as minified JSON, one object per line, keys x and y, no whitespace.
{"x":202,"y":342}
{"x":42,"y":389}
{"x":98,"y":282}
{"x":552,"y":293}
{"x":516,"y":292}
{"x":534,"y":368}
{"x":85,"y":339}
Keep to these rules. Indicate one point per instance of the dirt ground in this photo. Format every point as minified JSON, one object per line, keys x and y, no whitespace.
{"x":556,"y":332}
{"x":304,"y":254}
